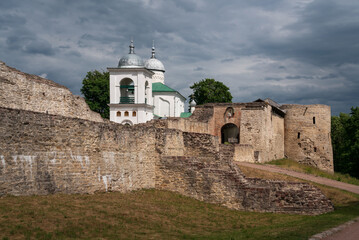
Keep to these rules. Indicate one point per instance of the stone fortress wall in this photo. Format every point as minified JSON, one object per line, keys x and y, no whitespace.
{"x":44,"y":153}
{"x":264,"y":130}
{"x":30,"y":92}
{"x":268,"y":132}
{"x":307,"y":135}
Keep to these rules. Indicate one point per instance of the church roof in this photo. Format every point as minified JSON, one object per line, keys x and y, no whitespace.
{"x":160,"y":87}
{"x":185,"y":114}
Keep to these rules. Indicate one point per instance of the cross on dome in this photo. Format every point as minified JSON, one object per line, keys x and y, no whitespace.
{"x":132,"y":48}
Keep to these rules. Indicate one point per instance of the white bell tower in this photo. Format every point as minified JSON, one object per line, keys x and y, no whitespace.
{"x":130,"y":90}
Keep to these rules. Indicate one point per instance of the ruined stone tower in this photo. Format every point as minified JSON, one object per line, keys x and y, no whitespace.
{"x":307,"y":135}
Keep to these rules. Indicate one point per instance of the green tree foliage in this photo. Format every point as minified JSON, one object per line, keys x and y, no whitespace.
{"x":210,"y":91}
{"x":96,"y":90}
{"x":345,"y":139}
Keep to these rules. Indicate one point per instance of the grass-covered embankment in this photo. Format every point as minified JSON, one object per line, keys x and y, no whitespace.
{"x":153,"y":214}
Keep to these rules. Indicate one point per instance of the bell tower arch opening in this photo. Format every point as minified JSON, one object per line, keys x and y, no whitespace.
{"x":127,"y":88}
{"x":229,"y":133}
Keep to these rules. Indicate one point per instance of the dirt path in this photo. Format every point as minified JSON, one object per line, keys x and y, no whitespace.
{"x":320,"y":180}
{"x":351,"y":232}
{"x":347,"y":231}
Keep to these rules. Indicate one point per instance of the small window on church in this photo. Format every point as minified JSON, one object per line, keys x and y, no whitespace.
{"x":118,"y":114}
{"x":126,"y":114}
{"x":313,"y":120}
{"x":134,"y":114}
{"x":315,"y":149}
{"x":298,"y":135}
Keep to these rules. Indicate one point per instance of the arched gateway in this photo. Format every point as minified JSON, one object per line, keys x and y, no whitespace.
{"x":230,"y":133}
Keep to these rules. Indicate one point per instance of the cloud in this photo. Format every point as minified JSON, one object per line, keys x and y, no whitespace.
{"x":292,"y":51}
{"x":198,"y":69}
{"x":298,"y":77}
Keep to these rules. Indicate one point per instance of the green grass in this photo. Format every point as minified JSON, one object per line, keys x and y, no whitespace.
{"x":154,"y":214}
{"x":295,"y":166}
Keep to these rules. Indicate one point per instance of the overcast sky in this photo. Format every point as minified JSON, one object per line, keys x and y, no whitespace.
{"x":293,"y":51}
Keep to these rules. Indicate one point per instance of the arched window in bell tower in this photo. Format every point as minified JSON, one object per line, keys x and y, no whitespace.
{"x":147,"y":92}
{"x":127,"y":91}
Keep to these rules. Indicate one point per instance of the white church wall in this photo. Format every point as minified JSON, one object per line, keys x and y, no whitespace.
{"x":168,"y":104}
{"x":158,"y":77}
{"x":128,"y":113}
{"x":139,"y":79}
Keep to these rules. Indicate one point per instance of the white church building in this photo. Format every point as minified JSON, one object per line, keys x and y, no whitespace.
{"x":138,"y":92}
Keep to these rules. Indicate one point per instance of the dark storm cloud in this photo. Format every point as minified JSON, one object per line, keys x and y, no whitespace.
{"x":26,"y":42}
{"x":198,"y":69}
{"x":9,"y":21}
{"x":327,"y":34}
{"x":273,"y":78}
{"x":299,"y":51}
{"x":227,"y":60}
{"x":298,"y":77}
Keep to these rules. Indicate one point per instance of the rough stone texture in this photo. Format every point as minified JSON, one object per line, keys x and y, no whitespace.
{"x":259,"y":126}
{"x":30,"y":92}
{"x":279,"y":196}
{"x":42,"y":154}
{"x":264,"y":130}
{"x":214,"y":178}
{"x":243,"y":153}
{"x":308,"y":141}
{"x":183,"y":124}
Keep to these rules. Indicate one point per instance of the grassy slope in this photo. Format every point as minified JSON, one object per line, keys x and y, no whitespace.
{"x":295,"y":166}
{"x":153,"y":214}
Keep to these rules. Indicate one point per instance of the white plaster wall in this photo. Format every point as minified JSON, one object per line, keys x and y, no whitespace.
{"x":143,"y":114}
{"x":115,"y":79}
{"x":176,"y":104}
{"x":158,"y":77}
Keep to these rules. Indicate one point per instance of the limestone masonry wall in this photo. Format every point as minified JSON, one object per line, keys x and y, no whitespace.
{"x":183,"y":124}
{"x":307,"y":135}
{"x":30,"y":92}
{"x":43,"y":153}
{"x":264,"y":130}
{"x":215,"y":178}
{"x":244,"y":153}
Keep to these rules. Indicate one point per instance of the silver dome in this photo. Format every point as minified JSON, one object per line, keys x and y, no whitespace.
{"x":153,"y":63}
{"x":131,"y":60}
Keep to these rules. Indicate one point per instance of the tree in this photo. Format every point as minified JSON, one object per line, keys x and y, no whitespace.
{"x":345,"y":139}
{"x":96,"y":90}
{"x":210,"y":91}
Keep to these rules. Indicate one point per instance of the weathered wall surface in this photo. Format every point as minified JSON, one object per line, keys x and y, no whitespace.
{"x":183,"y":124}
{"x":221,"y":117}
{"x":307,"y":135}
{"x":285,"y":197}
{"x":253,"y":130}
{"x":42,"y":154}
{"x":264,"y":130}
{"x":30,"y":92}
{"x":276,"y":137}
{"x":215,"y":178}
{"x":243,"y":153}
